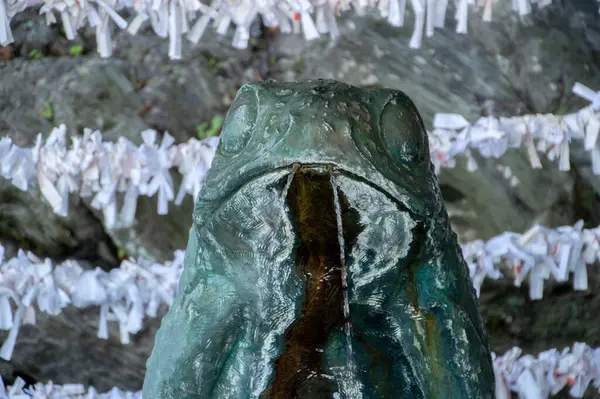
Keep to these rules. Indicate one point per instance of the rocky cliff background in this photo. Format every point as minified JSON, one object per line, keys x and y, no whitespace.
{"x":509,"y":67}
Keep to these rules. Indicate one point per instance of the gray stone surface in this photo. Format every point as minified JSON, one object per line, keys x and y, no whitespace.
{"x":137,"y":89}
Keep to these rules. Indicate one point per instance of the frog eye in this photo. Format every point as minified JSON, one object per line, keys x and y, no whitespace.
{"x":239,"y":122}
{"x":403,"y":131}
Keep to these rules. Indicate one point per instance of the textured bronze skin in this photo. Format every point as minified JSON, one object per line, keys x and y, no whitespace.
{"x":321,"y":262}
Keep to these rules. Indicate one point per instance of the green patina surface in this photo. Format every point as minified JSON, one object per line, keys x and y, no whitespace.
{"x":321,"y":262}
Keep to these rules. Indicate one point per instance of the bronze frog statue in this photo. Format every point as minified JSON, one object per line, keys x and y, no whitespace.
{"x":321,"y":263}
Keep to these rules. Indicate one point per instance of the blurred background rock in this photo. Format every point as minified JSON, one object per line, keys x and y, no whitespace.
{"x":509,"y":67}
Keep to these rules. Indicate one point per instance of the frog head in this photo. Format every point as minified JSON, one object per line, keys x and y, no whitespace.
{"x":375,"y":135}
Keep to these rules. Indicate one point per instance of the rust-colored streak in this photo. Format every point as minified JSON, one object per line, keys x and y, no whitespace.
{"x":298,"y":371}
{"x":431,"y":341}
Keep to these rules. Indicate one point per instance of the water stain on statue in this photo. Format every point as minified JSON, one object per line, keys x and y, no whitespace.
{"x":383,"y":360}
{"x":299,"y":370}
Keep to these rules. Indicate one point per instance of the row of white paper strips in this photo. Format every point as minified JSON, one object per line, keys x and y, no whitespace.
{"x":548,"y":134}
{"x":536,"y":255}
{"x":52,"y":391}
{"x":173,"y":19}
{"x":126,"y":294}
{"x":528,"y":376}
{"x":103,"y":169}
{"x":549,"y":373}
{"x":138,"y":287}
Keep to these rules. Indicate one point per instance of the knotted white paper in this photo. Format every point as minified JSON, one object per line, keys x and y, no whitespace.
{"x":548,"y":134}
{"x":536,"y":256}
{"x":548,"y":373}
{"x":174,"y":18}
{"x":127,"y":294}
{"x":107,"y":171}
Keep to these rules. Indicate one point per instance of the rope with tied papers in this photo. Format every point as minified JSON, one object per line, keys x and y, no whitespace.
{"x":93,"y":167}
{"x":138,"y":287}
{"x":176,"y":18}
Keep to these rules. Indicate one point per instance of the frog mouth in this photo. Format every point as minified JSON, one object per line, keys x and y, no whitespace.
{"x":237,"y":181}
{"x":333,"y":171}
